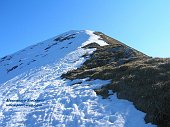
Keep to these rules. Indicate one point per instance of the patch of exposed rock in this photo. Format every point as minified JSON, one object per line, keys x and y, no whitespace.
{"x":135,"y":76}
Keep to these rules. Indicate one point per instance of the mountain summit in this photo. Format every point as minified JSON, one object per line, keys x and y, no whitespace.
{"x":76,"y":78}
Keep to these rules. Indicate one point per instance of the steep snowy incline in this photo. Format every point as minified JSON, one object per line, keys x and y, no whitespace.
{"x":41,"y":54}
{"x":39,"y":97}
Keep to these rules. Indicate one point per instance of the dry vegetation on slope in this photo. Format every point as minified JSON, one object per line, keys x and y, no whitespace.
{"x":136,"y":77}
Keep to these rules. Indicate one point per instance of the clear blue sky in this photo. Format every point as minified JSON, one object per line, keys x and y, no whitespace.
{"x":141,"y":24}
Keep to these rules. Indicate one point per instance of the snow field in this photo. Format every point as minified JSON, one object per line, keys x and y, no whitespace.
{"x":64,"y":103}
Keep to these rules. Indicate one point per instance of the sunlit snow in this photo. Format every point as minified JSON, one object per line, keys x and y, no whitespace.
{"x":43,"y":99}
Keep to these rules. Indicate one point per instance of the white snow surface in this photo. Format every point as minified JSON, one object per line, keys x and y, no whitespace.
{"x":35,"y":95}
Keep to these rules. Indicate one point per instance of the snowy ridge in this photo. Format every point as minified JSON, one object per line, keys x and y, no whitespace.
{"x":40,"y":54}
{"x":62,"y":102}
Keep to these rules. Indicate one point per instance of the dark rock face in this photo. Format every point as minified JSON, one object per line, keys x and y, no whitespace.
{"x":67,"y":37}
{"x":14,"y":67}
{"x":61,"y":39}
{"x":135,"y":76}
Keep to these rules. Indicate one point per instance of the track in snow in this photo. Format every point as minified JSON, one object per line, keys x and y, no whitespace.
{"x":63,"y":102}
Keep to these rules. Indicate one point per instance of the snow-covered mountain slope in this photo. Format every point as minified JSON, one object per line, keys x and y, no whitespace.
{"x":43,"y":53}
{"x":34,"y":94}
